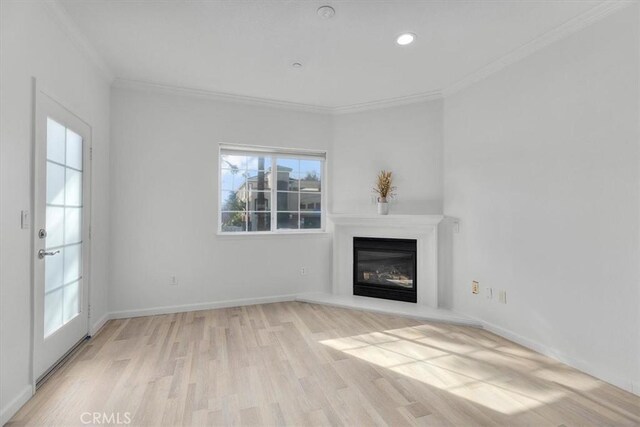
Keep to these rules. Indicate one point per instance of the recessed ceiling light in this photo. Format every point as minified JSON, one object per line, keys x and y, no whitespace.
{"x":326,"y":12}
{"x":297,"y":65}
{"x":405,"y":39}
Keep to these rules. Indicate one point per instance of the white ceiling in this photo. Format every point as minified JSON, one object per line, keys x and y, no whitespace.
{"x":245,"y":47}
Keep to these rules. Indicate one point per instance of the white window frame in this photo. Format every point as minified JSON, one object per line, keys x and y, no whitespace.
{"x":274,"y":152}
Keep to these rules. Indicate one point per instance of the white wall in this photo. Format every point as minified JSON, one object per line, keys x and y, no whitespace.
{"x":164,"y":171}
{"x":32,"y":44}
{"x":404,"y":139}
{"x":542,"y":168}
{"x":164,"y":193}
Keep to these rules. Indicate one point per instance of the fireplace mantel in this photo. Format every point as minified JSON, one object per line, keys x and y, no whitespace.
{"x":422,"y":228}
{"x":394,"y":220}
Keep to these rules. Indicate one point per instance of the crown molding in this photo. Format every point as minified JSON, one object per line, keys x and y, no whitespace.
{"x":147,"y":86}
{"x":389,"y":102}
{"x":64,"y":21}
{"x":142,"y":85}
{"x":573,"y":25}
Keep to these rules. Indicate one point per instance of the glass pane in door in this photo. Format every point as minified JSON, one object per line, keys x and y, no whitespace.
{"x":63,"y":269}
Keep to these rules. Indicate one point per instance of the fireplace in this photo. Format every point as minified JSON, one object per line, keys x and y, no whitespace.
{"x":385,"y":268}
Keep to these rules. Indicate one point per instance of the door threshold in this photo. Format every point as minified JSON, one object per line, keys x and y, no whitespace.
{"x":60,"y":362}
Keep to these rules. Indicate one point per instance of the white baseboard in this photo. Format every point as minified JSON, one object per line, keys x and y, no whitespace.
{"x":199,"y":306}
{"x":581,"y":365}
{"x":15,"y":405}
{"x":99,"y":324}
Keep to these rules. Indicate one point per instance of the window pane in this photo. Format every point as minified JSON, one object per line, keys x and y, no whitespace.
{"x":73,"y":188}
{"x":292,"y":165}
{"x":232,"y":201}
{"x":310,"y":220}
{"x":259,"y":201}
{"x":74,"y":150}
{"x":259,"y":163}
{"x":310,"y":201}
{"x":287,"y":184}
{"x":232,"y":180}
{"x":288,"y":174}
{"x":72,"y":225}
{"x":71,"y":298}
{"x":55,"y":141}
{"x":287,"y":201}
{"x":310,"y":175}
{"x":234,"y":162}
{"x":52,"y":311}
{"x":53,"y":270}
{"x":55,"y":219}
{"x":287,"y":220}
{"x":72,"y":262}
{"x":234,"y":221}
{"x":259,"y":221}
{"x":259,"y":180}
{"x":55,"y":184}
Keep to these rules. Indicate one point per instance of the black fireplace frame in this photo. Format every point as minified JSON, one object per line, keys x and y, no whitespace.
{"x":396,"y":293}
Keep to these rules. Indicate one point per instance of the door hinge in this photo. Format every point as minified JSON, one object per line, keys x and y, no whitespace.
{"x":89,"y":232}
{"x":90,"y":153}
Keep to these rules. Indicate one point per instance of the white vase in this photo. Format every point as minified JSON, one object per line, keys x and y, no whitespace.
{"x":383,"y":208}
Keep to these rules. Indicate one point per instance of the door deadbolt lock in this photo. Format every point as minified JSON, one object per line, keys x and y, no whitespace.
{"x":42,"y":233}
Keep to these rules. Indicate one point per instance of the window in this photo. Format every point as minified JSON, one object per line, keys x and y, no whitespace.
{"x":268,"y":190}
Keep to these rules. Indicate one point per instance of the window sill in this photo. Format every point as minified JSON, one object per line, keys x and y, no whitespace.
{"x":322,"y":234}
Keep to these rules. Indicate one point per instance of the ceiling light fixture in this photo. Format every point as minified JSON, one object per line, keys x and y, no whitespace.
{"x":297,"y":65}
{"x":405,"y":39}
{"x":326,"y":12}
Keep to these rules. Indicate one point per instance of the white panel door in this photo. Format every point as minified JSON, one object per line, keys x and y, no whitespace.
{"x":61,"y":230}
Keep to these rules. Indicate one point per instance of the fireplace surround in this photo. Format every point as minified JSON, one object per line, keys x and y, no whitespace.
{"x":422,"y":228}
{"x":385,"y":268}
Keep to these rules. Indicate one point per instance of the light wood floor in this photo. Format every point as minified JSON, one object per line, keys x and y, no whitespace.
{"x":303,"y":364}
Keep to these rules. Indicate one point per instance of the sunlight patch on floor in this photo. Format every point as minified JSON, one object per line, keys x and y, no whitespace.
{"x":473,"y":372}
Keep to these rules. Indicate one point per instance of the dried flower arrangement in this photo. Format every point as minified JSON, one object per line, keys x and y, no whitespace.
{"x":384,"y":188}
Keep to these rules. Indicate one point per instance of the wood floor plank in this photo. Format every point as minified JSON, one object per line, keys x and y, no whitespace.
{"x":301,"y":364}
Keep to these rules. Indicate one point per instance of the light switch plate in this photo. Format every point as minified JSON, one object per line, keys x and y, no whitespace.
{"x":502,"y":297}
{"x":25,"y":220}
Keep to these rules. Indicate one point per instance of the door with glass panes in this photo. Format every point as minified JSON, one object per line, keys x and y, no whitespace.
{"x":61,"y":231}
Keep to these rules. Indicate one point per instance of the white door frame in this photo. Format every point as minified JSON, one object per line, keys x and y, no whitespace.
{"x":40,"y":96}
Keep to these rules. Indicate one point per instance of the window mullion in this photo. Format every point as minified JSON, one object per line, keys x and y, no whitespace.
{"x":245,"y":196}
{"x":299,"y":200}
{"x":274,"y":193}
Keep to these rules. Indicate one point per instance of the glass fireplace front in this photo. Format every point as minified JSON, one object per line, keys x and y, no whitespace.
{"x":385,"y":268}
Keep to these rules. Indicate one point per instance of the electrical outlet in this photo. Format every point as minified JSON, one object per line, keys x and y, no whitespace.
{"x":456,"y":227}
{"x":488,"y":292}
{"x":303,"y":271}
{"x":173,"y":281}
{"x":502,"y":297}
{"x":475,"y":287}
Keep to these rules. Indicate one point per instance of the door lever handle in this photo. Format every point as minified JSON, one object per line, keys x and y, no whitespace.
{"x":42,"y":253}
